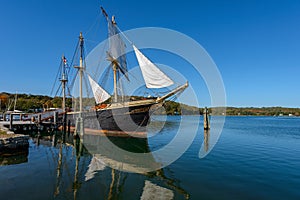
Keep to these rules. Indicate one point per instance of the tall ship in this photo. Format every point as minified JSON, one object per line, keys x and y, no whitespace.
{"x":114,"y":112}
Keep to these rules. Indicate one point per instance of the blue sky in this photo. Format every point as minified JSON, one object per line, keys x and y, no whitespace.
{"x":255,"y":44}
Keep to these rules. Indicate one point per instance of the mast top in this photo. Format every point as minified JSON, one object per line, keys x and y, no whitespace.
{"x":113,"y":20}
{"x":80,"y":37}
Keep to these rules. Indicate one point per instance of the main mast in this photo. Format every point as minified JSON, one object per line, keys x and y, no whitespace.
{"x":79,"y":120}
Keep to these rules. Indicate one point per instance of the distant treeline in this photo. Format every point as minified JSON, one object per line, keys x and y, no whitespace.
{"x":32,"y":103}
{"x":265,"y":111}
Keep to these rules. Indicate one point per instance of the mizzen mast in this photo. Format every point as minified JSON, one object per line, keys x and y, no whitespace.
{"x":64,"y":81}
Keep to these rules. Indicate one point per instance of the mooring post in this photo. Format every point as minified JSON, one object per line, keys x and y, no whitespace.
{"x":69,"y":127}
{"x":65,"y":123}
{"x":11,"y":121}
{"x":39,"y":118}
{"x":54,"y":140}
{"x":206,"y":119}
{"x":38,"y":138}
{"x":4,"y":117}
{"x":55,"y":117}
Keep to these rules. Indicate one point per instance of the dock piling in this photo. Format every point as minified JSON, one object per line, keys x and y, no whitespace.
{"x":65,"y":123}
{"x":39,"y":118}
{"x":69,"y":127}
{"x":11,"y":119}
{"x":55,"y":117}
{"x":206,"y":122}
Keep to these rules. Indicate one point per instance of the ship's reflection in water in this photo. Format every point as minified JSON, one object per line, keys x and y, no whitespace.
{"x":88,"y":168}
{"x":59,"y":167}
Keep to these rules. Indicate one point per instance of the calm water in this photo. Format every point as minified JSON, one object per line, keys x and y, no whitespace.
{"x":255,"y":158}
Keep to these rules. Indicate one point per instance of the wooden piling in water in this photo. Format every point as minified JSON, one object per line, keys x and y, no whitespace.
{"x":11,"y":119}
{"x":206,"y":122}
{"x":39,"y":118}
{"x":55,"y":117}
{"x":65,"y":123}
{"x":69,"y":127}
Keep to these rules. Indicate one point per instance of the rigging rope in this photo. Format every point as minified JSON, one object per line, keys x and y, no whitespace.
{"x":56,"y":78}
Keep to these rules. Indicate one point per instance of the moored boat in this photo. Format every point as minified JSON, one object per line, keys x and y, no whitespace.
{"x":112,"y":111}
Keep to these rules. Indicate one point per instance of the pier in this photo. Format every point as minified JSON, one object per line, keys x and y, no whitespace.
{"x":49,"y":120}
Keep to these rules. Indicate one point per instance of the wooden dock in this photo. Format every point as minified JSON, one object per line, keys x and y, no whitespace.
{"x":51,"y":121}
{"x":45,"y":121}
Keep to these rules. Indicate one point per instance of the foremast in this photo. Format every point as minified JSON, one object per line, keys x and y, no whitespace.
{"x":116,"y":53}
{"x":115,"y":71}
{"x":115,"y":65}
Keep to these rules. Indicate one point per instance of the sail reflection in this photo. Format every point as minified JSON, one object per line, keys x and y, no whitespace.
{"x":129,"y":154}
{"x":153,"y":191}
{"x":90,"y":164}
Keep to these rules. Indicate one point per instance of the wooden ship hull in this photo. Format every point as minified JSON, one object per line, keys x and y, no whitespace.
{"x":133,"y":118}
{"x":118,"y":118}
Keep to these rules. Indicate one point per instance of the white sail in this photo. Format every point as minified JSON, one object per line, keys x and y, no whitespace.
{"x":153,"y":76}
{"x":99,"y":93}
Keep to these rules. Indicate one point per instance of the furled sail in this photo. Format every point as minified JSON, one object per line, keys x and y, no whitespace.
{"x":117,"y":46}
{"x":153,"y":76}
{"x":99,"y":93}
